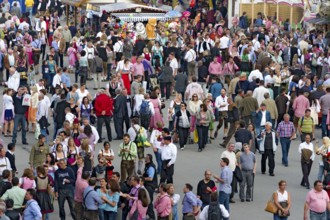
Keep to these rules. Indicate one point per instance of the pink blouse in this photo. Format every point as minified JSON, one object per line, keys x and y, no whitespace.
{"x":141,"y":210}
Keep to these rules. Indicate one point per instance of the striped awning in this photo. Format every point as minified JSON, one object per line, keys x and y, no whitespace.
{"x":139,"y":17}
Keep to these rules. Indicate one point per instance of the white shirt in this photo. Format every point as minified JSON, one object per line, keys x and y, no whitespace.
{"x":309,"y":146}
{"x":154,"y":139}
{"x":118,"y":47}
{"x":11,"y":59}
{"x":204,"y":214}
{"x":269,"y":80}
{"x":231,"y":157}
{"x":90,"y":53}
{"x":8,"y":102}
{"x":13,"y":81}
{"x":256,"y":45}
{"x":221,"y":101}
{"x":169,"y":152}
{"x":81,"y":94}
{"x":255,"y":74}
{"x":47,"y":100}
{"x":57,"y":80}
{"x":174,"y":64}
{"x":69,"y":117}
{"x":39,"y":87}
{"x":224,"y":42}
{"x":4,"y":161}
{"x":190,"y":55}
{"x":263,"y":118}
{"x":42,"y":109}
{"x":259,"y":93}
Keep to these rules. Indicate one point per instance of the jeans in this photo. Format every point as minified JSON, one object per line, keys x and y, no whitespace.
{"x":43,"y":131}
{"x":224,"y":200}
{"x":61,"y":55}
{"x":316,"y":216}
{"x":202,"y":136}
{"x":29,"y":9}
{"x":175,"y":212}
{"x":106,"y":120}
{"x":66,"y":194}
{"x":109,"y":215}
{"x":276,"y":217}
{"x":320,"y":173}
{"x":158,"y":157}
{"x":325,"y":130}
{"x":19,"y":118}
{"x":285,"y":143}
{"x":101,"y":214}
{"x":166,"y":86}
{"x":109,"y":67}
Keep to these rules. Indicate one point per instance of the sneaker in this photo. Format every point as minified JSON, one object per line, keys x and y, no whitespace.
{"x":182,"y":148}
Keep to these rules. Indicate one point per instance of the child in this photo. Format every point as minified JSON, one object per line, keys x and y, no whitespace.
{"x":31,"y":75}
{"x":69,"y":116}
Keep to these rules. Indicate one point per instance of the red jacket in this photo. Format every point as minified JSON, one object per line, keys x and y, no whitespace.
{"x":103,"y":103}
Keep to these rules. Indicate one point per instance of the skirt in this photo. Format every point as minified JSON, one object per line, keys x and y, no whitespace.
{"x":9,"y":115}
{"x":44,"y":202}
{"x":126,"y":82}
{"x":32,"y":116}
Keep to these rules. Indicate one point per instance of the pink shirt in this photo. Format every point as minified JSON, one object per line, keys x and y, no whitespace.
{"x":81,"y":185}
{"x":300,"y":104}
{"x":215,"y":68}
{"x":141,"y":210}
{"x":317,"y":201}
{"x":138,"y":69}
{"x":163,"y":205}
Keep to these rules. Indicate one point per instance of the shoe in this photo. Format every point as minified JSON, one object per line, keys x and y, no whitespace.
{"x":212,"y":138}
{"x":248,"y":200}
{"x":199,"y":150}
{"x":99,"y":141}
{"x":242,"y":200}
{"x":232,"y":201}
{"x":302,"y":184}
{"x":25,"y":143}
{"x":215,"y":134}
{"x":222,"y":145}
{"x":286,"y":165}
{"x":182,"y":148}
{"x":271,"y":174}
{"x":263,"y":173}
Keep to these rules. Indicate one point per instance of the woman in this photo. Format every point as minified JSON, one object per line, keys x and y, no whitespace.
{"x":74,"y":109}
{"x":50,"y":34}
{"x":138,"y":98}
{"x":43,"y":198}
{"x":157,"y":54}
{"x":86,"y":109}
{"x":43,"y":40}
{"x":29,"y":53}
{"x":193,"y":107}
{"x":86,"y":151}
{"x":246,"y":61}
{"x":175,"y":198}
{"x":102,"y":192}
{"x":282,"y":200}
{"x":140,"y":205}
{"x":109,"y":155}
{"x":50,"y":163}
{"x":83,"y":67}
{"x":72,"y":55}
{"x":175,"y":106}
{"x":146,"y":54}
{"x":108,"y":211}
{"x":99,"y":171}
{"x":82,"y":93}
{"x":27,"y":180}
{"x":182,"y":124}
{"x":87,"y":134}
{"x":202,"y":125}
{"x":157,"y":117}
{"x":254,"y":144}
{"x":52,"y":67}
{"x":110,"y":59}
{"x":32,"y":115}
{"x":323,"y":152}
{"x":59,"y":153}
{"x":126,"y":75}
{"x":76,"y":132}
{"x":277,"y":82}
{"x":8,"y":113}
{"x":72,"y":154}
{"x":156,"y":141}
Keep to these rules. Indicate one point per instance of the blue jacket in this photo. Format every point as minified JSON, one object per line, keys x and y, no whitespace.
{"x":215,"y":90}
{"x":259,"y":117}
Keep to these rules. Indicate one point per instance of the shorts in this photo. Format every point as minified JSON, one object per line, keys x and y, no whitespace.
{"x":140,"y":153}
{"x":295,"y":120}
{"x":224,"y":116}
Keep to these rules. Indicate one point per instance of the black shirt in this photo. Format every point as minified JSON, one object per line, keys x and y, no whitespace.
{"x":203,"y":193}
{"x":243,"y":135}
{"x":268,"y":141}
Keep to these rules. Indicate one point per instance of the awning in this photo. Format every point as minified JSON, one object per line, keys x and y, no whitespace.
{"x":139,"y":17}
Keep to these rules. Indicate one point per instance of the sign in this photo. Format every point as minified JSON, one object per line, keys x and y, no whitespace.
{"x":93,"y":8}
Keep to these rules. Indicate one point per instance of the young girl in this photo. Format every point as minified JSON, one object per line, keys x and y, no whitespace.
{"x":141,"y":205}
{"x":31,"y":75}
{"x":27,"y":180}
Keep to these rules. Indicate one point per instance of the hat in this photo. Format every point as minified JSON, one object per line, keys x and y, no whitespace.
{"x":76,"y":121}
{"x":167,"y":138}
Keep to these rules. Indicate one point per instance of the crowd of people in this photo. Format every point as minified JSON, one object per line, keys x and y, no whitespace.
{"x":264,"y":82}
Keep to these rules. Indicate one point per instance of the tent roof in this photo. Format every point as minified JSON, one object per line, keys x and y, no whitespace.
{"x":139,"y":17}
{"x":126,"y":6}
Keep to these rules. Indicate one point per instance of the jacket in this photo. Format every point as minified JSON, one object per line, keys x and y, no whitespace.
{"x":209,"y":118}
{"x":120,"y":109}
{"x":60,"y":111}
{"x":103,"y":103}
{"x":248,"y":105}
{"x":167,"y":75}
{"x":62,"y":46}
{"x":181,"y":82}
{"x":38,"y":155}
{"x":271,"y":107}
{"x":262,"y":143}
{"x":259,"y":117}
{"x":233,"y":114}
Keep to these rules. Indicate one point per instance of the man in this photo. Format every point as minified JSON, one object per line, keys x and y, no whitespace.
{"x":134,"y":192}
{"x":205,"y":187}
{"x":94,"y":131}
{"x":138,"y":68}
{"x":64,"y":188}
{"x":163,"y":203}
{"x":103,"y":107}
{"x":67,"y":37}
{"x":231,"y":156}
{"x":190,"y":203}
{"x":66,"y":81}
{"x":194,"y":88}
{"x":317,"y":202}
{"x":136,"y":85}
{"x":61,"y":49}
{"x":9,"y":61}
{"x":262,"y":116}
{"x":232,"y":86}
{"x":168,"y":155}
{"x":259,"y":92}
{"x":10,"y":154}
{"x":146,"y":111}
{"x":233,"y":119}
{"x":248,"y":165}
{"x":217,"y":211}
{"x":173,"y":63}
{"x":166,"y":80}
{"x":124,"y":189}
{"x":19,"y":111}
{"x":215,"y":69}
{"x":121,"y":113}
{"x":267,"y":148}
{"x":81,"y":185}
{"x":13,"y":82}
{"x":57,"y":80}
{"x":150,"y":182}
{"x":325,"y":107}
{"x":16,"y":193}
{"x":271,"y":107}
{"x":36,"y":50}
{"x":32,"y":209}
{"x":42,"y":114}
{"x":221,"y":103}
{"x":243,"y":136}
{"x":300,"y":104}
{"x":248,"y":106}
{"x":256,"y":74}
{"x":60,"y":112}
{"x":5,"y":183}
{"x":286,"y":133}
{"x":118,"y":49}
{"x":306,"y":150}
{"x":128,"y":153}
{"x":91,"y":200}
{"x":281,"y":105}
{"x":4,"y":161}
{"x":215,"y":88}
{"x":39,"y":152}
{"x":306,"y":125}
{"x":190,"y":57}
{"x":224,"y":180}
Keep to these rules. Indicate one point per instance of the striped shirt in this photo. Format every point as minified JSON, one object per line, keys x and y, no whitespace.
{"x":285,"y":129}
{"x":306,"y":125}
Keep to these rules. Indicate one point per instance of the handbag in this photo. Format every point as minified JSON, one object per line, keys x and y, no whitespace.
{"x":270,"y":206}
{"x":238,"y":174}
{"x":26,"y":100}
{"x":195,"y":136}
{"x":283,"y":205}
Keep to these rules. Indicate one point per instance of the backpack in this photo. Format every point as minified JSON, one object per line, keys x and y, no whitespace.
{"x":140,"y":139}
{"x":302,"y":120}
{"x":214,"y":212}
{"x":145,"y":110}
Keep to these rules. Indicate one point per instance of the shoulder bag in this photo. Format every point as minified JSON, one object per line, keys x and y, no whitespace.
{"x":271,"y":206}
{"x":283,"y":205}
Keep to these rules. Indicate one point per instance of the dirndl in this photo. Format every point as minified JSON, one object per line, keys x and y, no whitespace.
{"x":9,"y":115}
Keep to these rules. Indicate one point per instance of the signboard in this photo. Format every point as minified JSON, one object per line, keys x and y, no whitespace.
{"x":93,"y":8}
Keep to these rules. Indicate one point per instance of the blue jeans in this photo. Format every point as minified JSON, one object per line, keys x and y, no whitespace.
{"x":19,"y":118}
{"x":101,"y":214}
{"x":325,"y":130}
{"x":285,"y":143}
{"x":276,"y":217}
{"x":320,"y":173}
{"x":175,"y":212}
{"x":159,"y":161}
{"x":29,"y":9}
{"x":224,"y":199}
{"x":43,"y":132}
{"x":109,"y":215}
{"x":316,"y":216}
